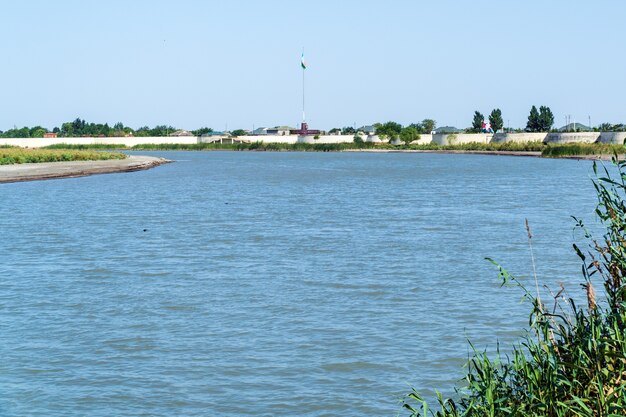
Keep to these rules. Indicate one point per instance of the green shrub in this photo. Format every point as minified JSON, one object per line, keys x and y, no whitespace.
{"x":573,"y":360}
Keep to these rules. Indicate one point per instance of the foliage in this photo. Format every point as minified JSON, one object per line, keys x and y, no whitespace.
{"x":572,"y":362}
{"x":533,"y":124}
{"x":428,"y":125}
{"x":546,"y":119}
{"x":355,"y":145}
{"x":358,"y":140}
{"x":389,"y":130}
{"x":23,"y":156}
{"x":540,"y":121}
{"x":238,"y":132}
{"x":495,"y":118}
{"x":477,"y":122}
{"x":160,"y":130}
{"x":348,"y":130}
{"x":201,"y":131}
{"x":608,"y":127}
{"x":409,"y":134}
{"x":581,"y":149}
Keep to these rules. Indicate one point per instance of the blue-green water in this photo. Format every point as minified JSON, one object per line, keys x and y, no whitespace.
{"x":271,"y":284}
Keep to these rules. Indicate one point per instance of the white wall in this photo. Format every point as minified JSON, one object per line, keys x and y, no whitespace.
{"x":128,"y":141}
{"x":461,"y":138}
{"x":612,"y":137}
{"x":524,"y":137}
{"x":440,"y":139}
{"x":572,"y":137}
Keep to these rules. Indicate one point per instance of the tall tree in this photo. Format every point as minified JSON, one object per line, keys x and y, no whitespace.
{"x":418,"y":126}
{"x":428,"y":125}
{"x":389,"y":130}
{"x":546,"y":119}
{"x":408,"y":135}
{"x":477,"y":123}
{"x":495,"y":118}
{"x":533,"y":125}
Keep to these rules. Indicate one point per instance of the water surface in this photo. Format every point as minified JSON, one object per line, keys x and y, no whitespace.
{"x":271,"y":284}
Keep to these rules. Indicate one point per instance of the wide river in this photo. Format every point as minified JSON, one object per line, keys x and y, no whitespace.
{"x":272,"y":284}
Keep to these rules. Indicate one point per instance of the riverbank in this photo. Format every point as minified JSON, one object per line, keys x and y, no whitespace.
{"x":71,"y":169}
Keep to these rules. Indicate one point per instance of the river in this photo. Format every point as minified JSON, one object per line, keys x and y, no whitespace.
{"x":272,"y":284}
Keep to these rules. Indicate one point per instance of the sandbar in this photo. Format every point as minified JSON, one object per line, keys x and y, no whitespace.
{"x":72,"y":169}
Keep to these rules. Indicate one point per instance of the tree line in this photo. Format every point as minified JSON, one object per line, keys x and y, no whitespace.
{"x":80,"y":127}
{"x":538,"y":120}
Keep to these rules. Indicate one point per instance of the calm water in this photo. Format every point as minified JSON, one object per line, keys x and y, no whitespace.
{"x":270,"y":284}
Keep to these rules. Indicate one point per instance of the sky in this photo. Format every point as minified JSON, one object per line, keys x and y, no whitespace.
{"x":236,"y":64}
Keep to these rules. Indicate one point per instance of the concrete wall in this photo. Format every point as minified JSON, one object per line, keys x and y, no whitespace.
{"x":128,"y":141}
{"x":572,"y":137}
{"x":460,"y":138}
{"x":519,"y":137}
{"x":617,"y":138}
{"x":440,"y":139}
{"x":270,"y":138}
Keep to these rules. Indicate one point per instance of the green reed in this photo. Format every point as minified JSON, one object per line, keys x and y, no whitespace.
{"x":24,"y":156}
{"x":581,"y":149}
{"x":573,"y":360}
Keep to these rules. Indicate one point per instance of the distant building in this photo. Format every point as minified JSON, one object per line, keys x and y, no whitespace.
{"x":447,"y":129}
{"x":304,"y":130}
{"x":280,"y":130}
{"x":368,"y":130}
{"x":260,"y":131}
{"x":49,"y":135}
{"x":179,"y":133}
{"x":210,"y":134}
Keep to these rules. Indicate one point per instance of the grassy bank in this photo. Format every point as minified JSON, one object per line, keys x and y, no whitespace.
{"x":308,"y":147}
{"x":25,"y":156}
{"x":572,"y":363}
{"x":582,"y":149}
{"x":548,"y":151}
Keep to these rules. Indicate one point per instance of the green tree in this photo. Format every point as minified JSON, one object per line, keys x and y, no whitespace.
{"x":389,"y":130}
{"x":546,"y":119}
{"x":202,"y":131}
{"x":348,"y":130}
{"x":37,"y":132}
{"x":477,"y":122}
{"x":334,"y":130}
{"x":495,"y":118}
{"x":408,"y":135}
{"x":428,"y":125}
{"x":533,"y":125}
{"x":238,"y":132}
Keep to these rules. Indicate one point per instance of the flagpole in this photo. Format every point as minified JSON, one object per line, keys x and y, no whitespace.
{"x":303,"y":116}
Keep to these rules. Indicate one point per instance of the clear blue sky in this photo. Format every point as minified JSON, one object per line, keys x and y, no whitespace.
{"x":215,"y":63}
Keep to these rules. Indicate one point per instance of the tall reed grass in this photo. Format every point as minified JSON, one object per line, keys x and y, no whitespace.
{"x":23,"y":156}
{"x":582,"y":149}
{"x":573,"y":360}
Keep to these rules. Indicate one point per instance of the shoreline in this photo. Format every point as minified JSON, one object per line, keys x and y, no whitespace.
{"x":73,"y":169}
{"x":531,"y":154}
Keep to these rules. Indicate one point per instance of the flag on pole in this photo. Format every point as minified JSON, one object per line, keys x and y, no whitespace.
{"x":302,"y":63}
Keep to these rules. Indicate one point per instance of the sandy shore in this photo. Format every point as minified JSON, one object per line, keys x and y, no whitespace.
{"x":54,"y":170}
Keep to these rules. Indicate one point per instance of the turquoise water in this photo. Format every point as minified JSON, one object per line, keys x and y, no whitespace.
{"x":271,"y":284}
